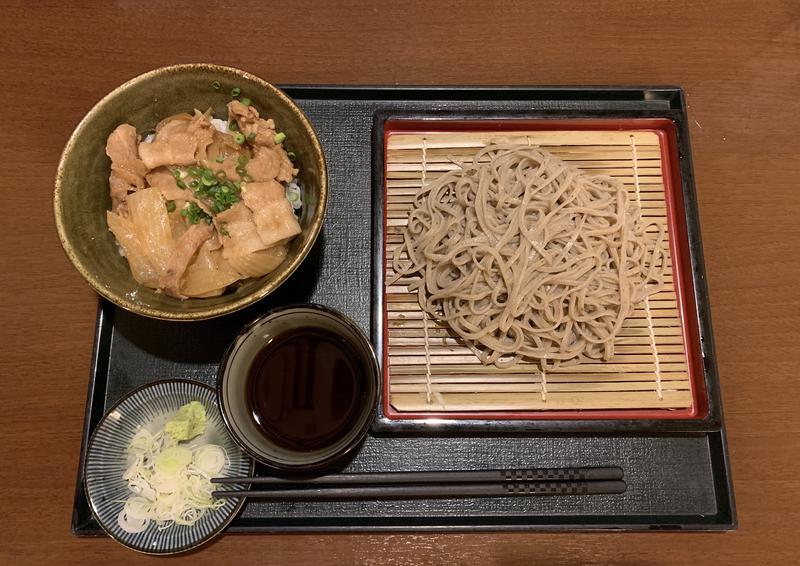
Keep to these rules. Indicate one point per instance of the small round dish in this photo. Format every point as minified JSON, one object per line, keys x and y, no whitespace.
{"x":234,"y":389}
{"x":151,"y":406}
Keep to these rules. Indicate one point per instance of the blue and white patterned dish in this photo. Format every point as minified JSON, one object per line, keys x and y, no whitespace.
{"x":107,"y":459}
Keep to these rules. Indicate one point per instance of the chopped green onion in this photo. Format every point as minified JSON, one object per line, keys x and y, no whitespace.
{"x":177,"y":174}
{"x":241,"y":171}
{"x":246,"y":101}
{"x":236,"y":92}
{"x":243,"y":159}
{"x":291,"y":155}
{"x":251,"y":136}
{"x":181,"y":184}
{"x":246,"y":178}
{"x":233,"y":126}
{"x":220,"y":158}
{"x":217,"y":193}
{"x":279,"y":137}
{"x":223,"y":229}
{"x":216,"y":85}
{"x":194,"y":171}
{"x":239,"y":138}
{"x":195,"y":214}
{"x":171,"y":206}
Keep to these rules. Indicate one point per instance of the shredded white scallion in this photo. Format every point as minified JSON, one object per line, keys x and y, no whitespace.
{"x":170,"y":481}
{"x":293,"y":194}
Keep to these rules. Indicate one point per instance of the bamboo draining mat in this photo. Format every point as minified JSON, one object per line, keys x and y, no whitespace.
{"x":648,"y":370}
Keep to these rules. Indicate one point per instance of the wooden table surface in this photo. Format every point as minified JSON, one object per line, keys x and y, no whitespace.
{"x":740,"y":65}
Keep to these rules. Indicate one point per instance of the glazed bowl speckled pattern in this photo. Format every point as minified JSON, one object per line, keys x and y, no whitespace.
{"x":82,"y":194}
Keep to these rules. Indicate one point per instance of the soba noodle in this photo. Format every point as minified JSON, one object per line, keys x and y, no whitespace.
{"x":526,"y":257}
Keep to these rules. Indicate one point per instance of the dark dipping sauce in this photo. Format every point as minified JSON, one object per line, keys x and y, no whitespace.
{"x":304,"y":388}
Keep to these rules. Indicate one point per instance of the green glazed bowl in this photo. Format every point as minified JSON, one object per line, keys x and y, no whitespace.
{"x":82,"y":194}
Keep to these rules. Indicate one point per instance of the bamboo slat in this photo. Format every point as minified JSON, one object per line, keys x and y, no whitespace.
{"x":649,"y":367}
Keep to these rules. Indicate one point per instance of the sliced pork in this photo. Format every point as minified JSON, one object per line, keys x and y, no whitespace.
{"x":127,"y":170}
{"x":238,"y":232}
{"x":273,"y":215}
{"x":178,"y":141}
{"x":185,"y":248}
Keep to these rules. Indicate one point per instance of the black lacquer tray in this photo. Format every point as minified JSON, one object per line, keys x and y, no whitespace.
{"x":678,"y":476}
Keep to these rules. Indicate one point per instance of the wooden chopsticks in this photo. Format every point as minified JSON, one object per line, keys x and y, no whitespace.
{"x":434,"y":484}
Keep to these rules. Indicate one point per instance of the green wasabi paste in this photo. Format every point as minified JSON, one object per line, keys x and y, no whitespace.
{"x":188,"y":423}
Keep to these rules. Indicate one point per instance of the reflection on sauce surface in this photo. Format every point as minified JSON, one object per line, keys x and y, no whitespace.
{"x":304,"y":388}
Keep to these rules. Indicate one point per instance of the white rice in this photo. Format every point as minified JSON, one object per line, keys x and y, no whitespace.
{"x":220,"y":125}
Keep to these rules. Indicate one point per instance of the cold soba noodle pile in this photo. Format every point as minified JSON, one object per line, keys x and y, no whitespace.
{"x":526,"y":257}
